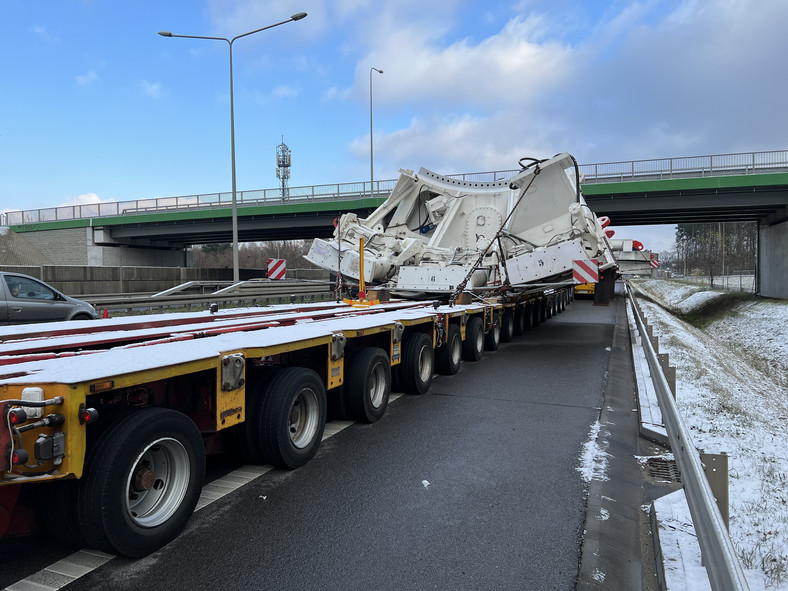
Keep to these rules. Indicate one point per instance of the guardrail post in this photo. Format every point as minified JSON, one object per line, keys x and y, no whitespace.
{"x":716,"y":468}
{"x":670,"y":372}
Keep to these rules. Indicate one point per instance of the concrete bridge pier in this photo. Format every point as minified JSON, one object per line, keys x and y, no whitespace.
{"x":772,"y":265}
{"x":103,"y":250}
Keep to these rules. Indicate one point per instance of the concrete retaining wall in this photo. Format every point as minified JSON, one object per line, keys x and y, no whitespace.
{"x":76,"y":280}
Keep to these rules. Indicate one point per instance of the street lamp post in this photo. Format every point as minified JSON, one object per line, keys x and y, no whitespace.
{"x":371,"y":159}
{"x":295,"y":17}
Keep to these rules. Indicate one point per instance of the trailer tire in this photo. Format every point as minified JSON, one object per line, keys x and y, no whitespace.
{"x":507,"y":325}
{"x":141,"y":482}
{"x":520,"y":320}
{"x":473,"y":345}
{"x":368,"y":384}
{"x":543,"y":311}
{"x":533,"y":315}
{"x":418,"y":364}
{"x":492,"y":339}
{"x":448,"y":357}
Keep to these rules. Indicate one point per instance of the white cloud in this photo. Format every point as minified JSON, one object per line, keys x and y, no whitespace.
{"x":88,"y":78}
{"x":649,"y":79}
{"x":151,"y":89}
{"x":86,"y":199}
{"x":41,"y":32}
{"x":284,"y":92}
{"x":506,"y":68}
{"x":454,"y":144}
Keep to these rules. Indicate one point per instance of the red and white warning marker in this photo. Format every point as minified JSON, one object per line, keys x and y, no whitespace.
{"x":585,"y":271}
{"x":654,"y":261}
{"x":277,"y":268}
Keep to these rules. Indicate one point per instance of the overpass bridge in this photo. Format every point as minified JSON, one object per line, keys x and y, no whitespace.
{"x":156,"y":231}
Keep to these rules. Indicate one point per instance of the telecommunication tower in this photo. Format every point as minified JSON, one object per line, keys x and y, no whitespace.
{"x":283,"y":161}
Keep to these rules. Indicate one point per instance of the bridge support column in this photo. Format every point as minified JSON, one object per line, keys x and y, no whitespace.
{"x":772,"y":270}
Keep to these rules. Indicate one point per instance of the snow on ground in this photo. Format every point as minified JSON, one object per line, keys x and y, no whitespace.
{"x":731,"y":391}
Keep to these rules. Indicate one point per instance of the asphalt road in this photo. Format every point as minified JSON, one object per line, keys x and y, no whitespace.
{"x":504,"y":508}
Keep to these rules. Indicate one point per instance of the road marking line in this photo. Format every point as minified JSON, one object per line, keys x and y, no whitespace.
{"x":63,"y":572}
{"x":77,"y":565}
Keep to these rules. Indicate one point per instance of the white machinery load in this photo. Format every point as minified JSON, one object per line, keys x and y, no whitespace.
{"x":633,"y":259}
{"x":436,"y":234}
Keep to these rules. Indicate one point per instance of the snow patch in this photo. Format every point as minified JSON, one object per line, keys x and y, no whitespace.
{"x":593,"y":457}
{"x":732,"y":392}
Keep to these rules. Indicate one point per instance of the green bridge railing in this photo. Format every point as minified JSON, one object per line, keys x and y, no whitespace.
{"x":607,"y":172}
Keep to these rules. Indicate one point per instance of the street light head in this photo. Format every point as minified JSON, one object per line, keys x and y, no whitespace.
{"x":298,"y":16}
{"x":165,"y":33}
{"x":381,"y":71}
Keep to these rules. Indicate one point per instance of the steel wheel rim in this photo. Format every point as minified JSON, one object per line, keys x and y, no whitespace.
{"x":377,"y":385}
{"x":158,"y":482}
{"x":456,"y":351}
{"x":425,"y":364}
{"x":303,"y":418}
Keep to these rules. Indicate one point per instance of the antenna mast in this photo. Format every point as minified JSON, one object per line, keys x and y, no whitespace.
{"x":283,"y":161}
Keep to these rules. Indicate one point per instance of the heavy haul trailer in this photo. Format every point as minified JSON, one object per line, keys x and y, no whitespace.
{"x":105,"y":425}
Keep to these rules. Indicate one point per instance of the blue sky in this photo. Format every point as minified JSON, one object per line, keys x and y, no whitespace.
{"x":94,"y":105}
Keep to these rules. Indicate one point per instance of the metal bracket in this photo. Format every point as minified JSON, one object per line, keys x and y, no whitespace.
{"x":338,"y":342}
{"x":396,"y":334}
{"x":715,"y":467}
{"x":233,"y":371}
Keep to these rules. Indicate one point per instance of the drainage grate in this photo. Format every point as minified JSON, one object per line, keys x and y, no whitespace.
{"x":663,"y":470}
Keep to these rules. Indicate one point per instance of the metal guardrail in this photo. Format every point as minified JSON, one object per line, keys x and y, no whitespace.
{"x":742,"y":163}
{"x":275,"y":293}
{"x":655,"y":169}
{"x":722,"y":563}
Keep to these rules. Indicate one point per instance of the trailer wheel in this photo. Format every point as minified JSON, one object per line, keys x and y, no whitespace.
{"x":543,"y":310}
{"x":288,"y":418}
{"x":473,"y":345}
{"x":418,"y":364}
{"x":142,"y":480}
{"x":520,"y":320}
{"x":507,"y":325}
{"x":493,"y":337}
{"x":449,"y":355}
{"x":533,"y":315}
{"x":368,"y":384}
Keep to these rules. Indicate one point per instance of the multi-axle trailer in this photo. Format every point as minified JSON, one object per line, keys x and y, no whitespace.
{"x":106,"y":425}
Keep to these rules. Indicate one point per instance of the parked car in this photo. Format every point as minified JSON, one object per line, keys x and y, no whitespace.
{"x":25,"y":299}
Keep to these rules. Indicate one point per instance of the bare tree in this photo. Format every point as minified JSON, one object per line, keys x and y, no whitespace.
{"x":253,"y":255}
{"x":716,"y":248}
